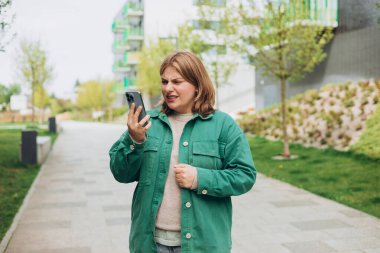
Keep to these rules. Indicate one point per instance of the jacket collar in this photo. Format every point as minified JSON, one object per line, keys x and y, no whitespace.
{"x":163,"y":116}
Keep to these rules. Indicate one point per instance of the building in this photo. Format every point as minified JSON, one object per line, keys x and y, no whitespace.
{"x":141,"y":20}
{"x":352,"y":55}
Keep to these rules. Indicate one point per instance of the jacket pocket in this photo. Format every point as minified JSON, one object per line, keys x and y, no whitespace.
{"x":149,"y":160}
{"x":208,"y":154}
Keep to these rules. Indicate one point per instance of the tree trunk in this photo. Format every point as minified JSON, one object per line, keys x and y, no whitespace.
{"x":110,"y":113}
{"x":286,"y":152}
{"x":216,"y":85}
{"x":33,"y":105}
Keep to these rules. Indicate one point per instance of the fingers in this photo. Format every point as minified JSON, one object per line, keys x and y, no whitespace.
{"x":148,"y":126}
{"x":137,"y":113}
{"x":184,"y":175}
{"x":144,"y":120}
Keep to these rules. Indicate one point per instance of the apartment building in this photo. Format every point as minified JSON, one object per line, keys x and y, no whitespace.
{"x":139,"y":21}
{"x":352,"y":55}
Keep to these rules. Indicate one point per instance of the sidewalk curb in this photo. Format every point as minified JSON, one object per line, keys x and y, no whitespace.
{"x":8,"y":236}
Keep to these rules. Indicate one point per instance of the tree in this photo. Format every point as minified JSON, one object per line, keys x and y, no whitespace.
{"x":6,"y":22}
{"x":96,"y":95}
{"x":41,"y":99}
{"x":285,"y":43}
{"x":60,"y":105}
{"x":206,"y":38}
{"x":33,"y":68}
{"x":90,"y":96}
{"x":7,"y":92}
{"x":151,"y":56}
{"x":109,"y":97}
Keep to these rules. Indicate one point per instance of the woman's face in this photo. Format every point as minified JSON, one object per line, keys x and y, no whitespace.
{"x":178,"y":93}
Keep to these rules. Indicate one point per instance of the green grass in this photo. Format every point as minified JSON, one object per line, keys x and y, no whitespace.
{"x":348,"y":178}
{"x":15,"y":178}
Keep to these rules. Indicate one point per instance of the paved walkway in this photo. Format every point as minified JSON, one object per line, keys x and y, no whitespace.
{"x":77,"y":207}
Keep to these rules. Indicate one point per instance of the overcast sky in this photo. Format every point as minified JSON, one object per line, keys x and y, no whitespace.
{"x":76,"y":34}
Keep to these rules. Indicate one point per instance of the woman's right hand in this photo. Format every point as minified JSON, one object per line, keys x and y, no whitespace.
{"x":137,"y":129}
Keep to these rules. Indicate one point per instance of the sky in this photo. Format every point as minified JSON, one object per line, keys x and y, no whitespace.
{"x":76,"y":34}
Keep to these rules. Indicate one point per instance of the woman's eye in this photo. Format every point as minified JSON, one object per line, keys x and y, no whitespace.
{"x":164,"y":81}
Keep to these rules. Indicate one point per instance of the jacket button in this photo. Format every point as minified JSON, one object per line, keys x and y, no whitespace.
{"x":132,"y":147}
{"x":188,"y":204}
{"x":204,"y":191}
{"x":185,"y":144}
{"x":188,"y":235}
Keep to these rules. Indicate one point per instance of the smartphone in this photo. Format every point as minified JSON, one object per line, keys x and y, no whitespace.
{"x":135,"y":97}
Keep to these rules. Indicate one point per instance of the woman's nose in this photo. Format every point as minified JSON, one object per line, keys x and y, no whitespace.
{"x":169,"y":86}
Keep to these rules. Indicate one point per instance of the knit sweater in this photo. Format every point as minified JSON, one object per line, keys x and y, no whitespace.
{"x":168,"y":222}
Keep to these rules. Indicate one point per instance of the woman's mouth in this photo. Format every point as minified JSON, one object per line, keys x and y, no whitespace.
{"x":171,"y":98}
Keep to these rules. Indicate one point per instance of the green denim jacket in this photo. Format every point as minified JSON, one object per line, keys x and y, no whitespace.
{"x":217,"y":148}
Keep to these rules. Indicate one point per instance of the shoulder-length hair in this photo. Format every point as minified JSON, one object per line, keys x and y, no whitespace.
{"x":191,"y":68}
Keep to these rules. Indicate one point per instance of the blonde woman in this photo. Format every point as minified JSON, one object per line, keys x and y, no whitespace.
{"x":188,"y":161}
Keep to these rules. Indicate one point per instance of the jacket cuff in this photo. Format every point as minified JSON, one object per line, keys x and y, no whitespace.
{"x":195,"y":180}
{"x":135,"y":142}
{"x":131,"y":146}
{"x":205,"y":181}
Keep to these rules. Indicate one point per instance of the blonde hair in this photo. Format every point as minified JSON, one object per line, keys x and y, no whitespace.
{"x":191,"y":68}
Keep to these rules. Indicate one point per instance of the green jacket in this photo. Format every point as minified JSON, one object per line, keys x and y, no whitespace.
{"x":217,"y":147}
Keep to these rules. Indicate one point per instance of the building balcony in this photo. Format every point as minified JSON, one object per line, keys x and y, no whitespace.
{"x":133,"y":9}
{"x":212,"y":3}
{"x":120,"y":45}
{"x":126,"y":64}
{"x":129,"y":82}
{"x":134,"y":33}
{"x":119,"y":25}
{"x":133,"y":58}
{"x":320,"y":12}
{"x":121,"y":66}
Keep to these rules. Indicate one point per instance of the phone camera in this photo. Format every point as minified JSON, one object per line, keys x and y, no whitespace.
{"x":129,"y":98}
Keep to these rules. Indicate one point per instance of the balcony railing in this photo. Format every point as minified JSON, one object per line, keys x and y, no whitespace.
{"x":320,"y":12}
{"x":119,"y":25}
{"x":120,"y":45}
{"x":121,"y":66}
{"x":134,"y":33}
{"x":129,"y":82}
{"x":132,"y":8}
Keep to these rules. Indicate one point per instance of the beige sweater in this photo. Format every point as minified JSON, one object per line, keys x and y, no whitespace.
{"x":169,"y":213}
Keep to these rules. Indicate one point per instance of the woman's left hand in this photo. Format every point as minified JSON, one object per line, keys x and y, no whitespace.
{"x":184,"y":175}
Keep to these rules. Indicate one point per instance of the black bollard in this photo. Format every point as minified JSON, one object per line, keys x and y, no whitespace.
{"x":29,"y":146}
{"x":52,"y":125}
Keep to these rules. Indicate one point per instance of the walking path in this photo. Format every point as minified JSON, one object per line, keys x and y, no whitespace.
{"x":76,"y":206}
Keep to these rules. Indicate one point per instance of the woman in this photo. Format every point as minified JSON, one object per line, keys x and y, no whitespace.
{"x":188,"y":160}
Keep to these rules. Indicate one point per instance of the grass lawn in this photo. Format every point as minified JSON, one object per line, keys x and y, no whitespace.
{"x":348,"y":178}
{"x":15,"y":178}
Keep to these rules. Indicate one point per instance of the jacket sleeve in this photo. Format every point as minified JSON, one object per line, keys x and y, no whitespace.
{"x":238,"y":173}
{"x":125,"y":159}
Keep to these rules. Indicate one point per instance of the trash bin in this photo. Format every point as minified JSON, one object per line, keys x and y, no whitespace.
{"x":52,"y":125}
{"x":29,"y":146}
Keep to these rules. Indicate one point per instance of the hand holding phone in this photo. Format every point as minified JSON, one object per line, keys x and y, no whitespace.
{"x":137,"y":118}
{"x":136,"y":98}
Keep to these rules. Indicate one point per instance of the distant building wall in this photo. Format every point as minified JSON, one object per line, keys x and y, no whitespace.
{"x":353,"y":54}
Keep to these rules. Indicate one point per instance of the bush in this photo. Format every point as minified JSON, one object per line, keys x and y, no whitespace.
{"x":369,"y":142}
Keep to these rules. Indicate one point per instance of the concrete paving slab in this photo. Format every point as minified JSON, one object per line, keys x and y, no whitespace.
{"x":76,"y":206}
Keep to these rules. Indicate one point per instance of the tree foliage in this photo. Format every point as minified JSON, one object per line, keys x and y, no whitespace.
{"x":151,"y":56}
{"x":6,"y":21}
{"x":95,"y":95}
{"x":34,"y":69}
{"x":283,"y":41}
{"x":207,"y":39}
{"x":7,"y":92}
